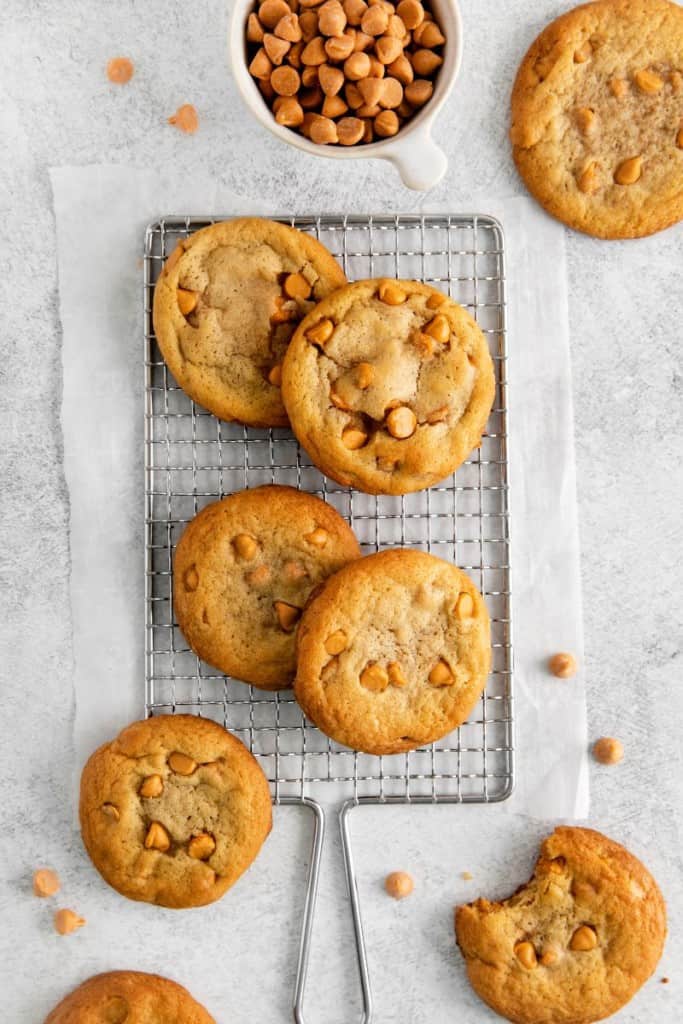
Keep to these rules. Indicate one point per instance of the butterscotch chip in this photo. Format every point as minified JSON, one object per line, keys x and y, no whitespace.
{"x":314,"y":52}
{"x":612,"y":57}
{"x":120,"y":70}
{"x":331,"y":79}
{"x":201,"y":847}
{"x":271,"y":11}
{"x":418,"y":92}
{"x":399,"y":884}
{"x":285,"y":81}
{"x":388,"y":49}
{"x":357,"y":66}
{"x":334,"y":106}
{"x":629,"y":171}
{"x":411,"y":13}
{"x":428,"y":34}
{"x":331,"y":18}
{"x":375,"y":21}
{"x":181,"y":763}
{"x":111,"y":811}
{"x":563,"y":665}
{"x":321,"y":332}
{"x":402,"y":421}
{"x":289,"y":113}
{"x":323,"y":131}
{"x":288,"y":28}
{"x":394,"y":610}
{"x":337,"y":642}
{"x":310,"y":77}
{"x":246,"y":637}
{"x":441,"y":675}
{"x":275,"y":48}
{"x":464,"y":607}
{"x":371,"y":90}
{"x":525,"y":954}
{"x":308,"y":23}
{"x":152,"y":786}
{"x":354,"y":11}
{"x":148,"y":856}
{"x":246,"y":546}
{"x":67,"y":921}
{"x":402,"y":70}
{"x":237,"y":267}
{"x":341,"y":48}
{"x":391,"y":96}
{"x":425,"y":62}
{"x":342,"y":436}
{"x":128,"y":997}
{"x":186,"y":119}
{"x":608,"y":750}
{"x":350,"y":130}
{"x":45,"y":882}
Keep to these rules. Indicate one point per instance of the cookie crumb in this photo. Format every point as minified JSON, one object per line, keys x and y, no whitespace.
{"x":399,"y":884}
{"x":67,"y":921}
{"x":45,"y":882}
{"x":608,"y":750}
{"x":664,"y":981}
{"x":563,"y":665}
{"x":120,"y":70}
{"x":467,"y":876}
{"x":186,"y":119}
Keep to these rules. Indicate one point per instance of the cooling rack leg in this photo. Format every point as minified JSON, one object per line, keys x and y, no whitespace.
{"x":309,"y":905}
{"x":355,"y":910}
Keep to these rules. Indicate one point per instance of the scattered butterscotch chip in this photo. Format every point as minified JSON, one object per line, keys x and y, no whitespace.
{"x":67,"y":921}
{"x":399,"y":884}
{"x":45,"y":882}
{"x":186,"y":119}
{"x":608,"y":750}
{"x":120,"y":70}
{"x":563,"y":665}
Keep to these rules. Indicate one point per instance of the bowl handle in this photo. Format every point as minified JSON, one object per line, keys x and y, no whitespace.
{"x":420,"y":162}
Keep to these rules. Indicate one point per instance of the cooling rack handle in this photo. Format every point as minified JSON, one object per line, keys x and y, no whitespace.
{"x":310,"y":902}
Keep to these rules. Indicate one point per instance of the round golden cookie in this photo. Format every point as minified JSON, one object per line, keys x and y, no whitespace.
{"x":173,"y":810}
{"x":575,"y":943}
{"x":393,"y":652}
{"x":597,"y":117}
{"x":225,"y":306}
{"x":388,"y":385}
{"x":129,"y":997}
{"x":243,"y":571}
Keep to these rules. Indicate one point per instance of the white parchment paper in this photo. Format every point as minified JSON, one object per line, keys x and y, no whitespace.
{"x":101,"y":213}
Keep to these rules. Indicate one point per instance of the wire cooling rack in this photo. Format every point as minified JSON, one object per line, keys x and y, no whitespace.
{"x":193,"y":459}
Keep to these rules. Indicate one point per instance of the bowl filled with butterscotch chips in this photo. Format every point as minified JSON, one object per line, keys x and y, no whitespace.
{"x":349,"y":78}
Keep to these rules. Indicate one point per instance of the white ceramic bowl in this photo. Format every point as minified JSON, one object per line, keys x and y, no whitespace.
{"x":419,"y":160}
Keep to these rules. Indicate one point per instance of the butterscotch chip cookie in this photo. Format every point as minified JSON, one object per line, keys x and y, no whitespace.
{"x":393,"y":652}
{"x":225,"y":307}
{"x":243,"y":571}
{"x":597,"y":117}
{"x":129,"y":997}
{"x":173,"y":810}
{"x":388,"y":385}
{"x":574,"y":944}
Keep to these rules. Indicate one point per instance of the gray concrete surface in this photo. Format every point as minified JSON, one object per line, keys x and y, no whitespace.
{"x":625,"y":315}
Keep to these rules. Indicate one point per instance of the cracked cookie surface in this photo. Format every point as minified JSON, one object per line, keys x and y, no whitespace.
{"x":388,"y":385}
{"x":575,"y":943}
{"x":129,"y":997}
{"x":243,"y":571}
{"x":597,"y":117}
{"x":173,"y":810}
{"x":225,"y":307}
{"x":393,"y":652}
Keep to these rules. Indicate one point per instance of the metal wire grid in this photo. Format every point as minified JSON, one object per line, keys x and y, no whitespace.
{"x":193,"y":459}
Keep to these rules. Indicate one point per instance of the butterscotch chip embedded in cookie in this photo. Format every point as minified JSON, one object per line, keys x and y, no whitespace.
{"x":388,"y":385}
{"x":574,"y":944}
{"x":597,"y":112}
{"x":224,"y":314}
{"x":243,"y":571}
{"x":129,"y":997}
{"x":385,"y":662}
{"x":185,"y":840}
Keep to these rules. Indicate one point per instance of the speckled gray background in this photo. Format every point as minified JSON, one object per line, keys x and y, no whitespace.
{"x":625,"y":317}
